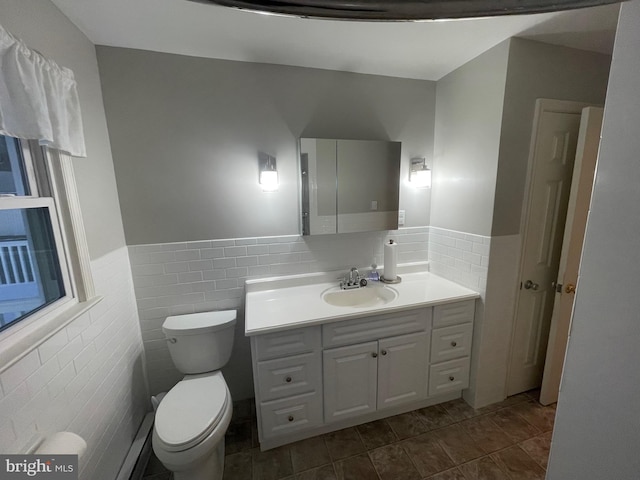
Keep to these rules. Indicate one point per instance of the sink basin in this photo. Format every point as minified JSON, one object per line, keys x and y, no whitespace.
{"x":360,"y":297}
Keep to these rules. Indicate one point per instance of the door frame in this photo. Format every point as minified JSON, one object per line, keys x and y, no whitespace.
{"x":542,"y":105}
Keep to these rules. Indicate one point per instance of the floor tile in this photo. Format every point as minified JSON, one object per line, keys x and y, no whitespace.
{"x":483,"y":468}
{"x":427,"y":454}
{"x":538,"y":448}
{"x":238,"y":437}
{"x":459,"y":410}
{"x":308,"y":454}
{"x":516,"y":427}
{"x":243,"y":410}
{"x":487,"y":435}
{"x":158,"y":476}
{"x":326,"y":472}
{"x":392,"y":463}
{"x":154,"y":466}
{"x":376,"y":434}
{"x":272,"y":464}
{"x":238,"y":466}
{"x":434,"y":417}
{"x":344,"y":443}
{"x":407,"y":425}
{"x":537,"y":415}
{"x":356,"y":468}
{"x":507,"y":402}
{"x":453,"y":474}
{"x":458,"y":444}
{"x":517,"y":464}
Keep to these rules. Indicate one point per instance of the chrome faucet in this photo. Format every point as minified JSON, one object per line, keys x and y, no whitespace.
{"x":352,"y":280}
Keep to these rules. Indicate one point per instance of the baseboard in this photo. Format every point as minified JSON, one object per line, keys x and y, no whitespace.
{"x":140,"y":451}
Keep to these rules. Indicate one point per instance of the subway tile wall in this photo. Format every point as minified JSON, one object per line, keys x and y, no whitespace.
{"x":176,"y":278}
{"x":460,"y":257}
{"x":88,"y":378}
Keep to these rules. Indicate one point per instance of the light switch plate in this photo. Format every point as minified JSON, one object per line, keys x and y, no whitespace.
{"x":400,"y":218}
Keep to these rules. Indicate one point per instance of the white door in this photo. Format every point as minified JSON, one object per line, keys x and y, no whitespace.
{"x":403,"y":366}
{"x":579,"y":200}
{"x":350,"y":380}
{"x":552,"y":156}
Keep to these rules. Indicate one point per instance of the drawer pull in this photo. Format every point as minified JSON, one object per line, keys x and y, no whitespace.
{"x":288,"y":379}
{"x":290,"y":418}
{"x":451,"y":378}
{"x":374,"y":354}
{"x":383,"y":352}
{"x":454,"y":344}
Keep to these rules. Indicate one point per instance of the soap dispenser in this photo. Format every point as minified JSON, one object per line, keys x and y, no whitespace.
{"x":373,"y":274}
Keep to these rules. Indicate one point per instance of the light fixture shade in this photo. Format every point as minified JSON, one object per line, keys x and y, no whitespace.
{"x":419,"y":174}
{"x":268,"y":172}
{"x":269,"y":180}
{"x":422,"y":178}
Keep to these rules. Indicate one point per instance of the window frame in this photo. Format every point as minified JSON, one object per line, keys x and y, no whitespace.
{"x":52,"y":185}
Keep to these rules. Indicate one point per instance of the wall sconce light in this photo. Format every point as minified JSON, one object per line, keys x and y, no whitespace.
{"x":268,"y":172}
{"x":419,"y":174}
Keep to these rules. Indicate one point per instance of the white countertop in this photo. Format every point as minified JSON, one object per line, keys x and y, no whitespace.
{"x":290,"y":302}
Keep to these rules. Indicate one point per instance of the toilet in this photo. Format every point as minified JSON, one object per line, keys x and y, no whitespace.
{"x":193,"y":417}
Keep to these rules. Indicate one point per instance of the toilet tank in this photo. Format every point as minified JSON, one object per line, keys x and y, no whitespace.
{"x":200,"y":342}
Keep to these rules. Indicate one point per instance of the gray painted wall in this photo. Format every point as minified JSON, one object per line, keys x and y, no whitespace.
{"x":597,"y":429}
{"x":537,"y":70}
{"x":467,"y":135}
{"x":185,"y":133}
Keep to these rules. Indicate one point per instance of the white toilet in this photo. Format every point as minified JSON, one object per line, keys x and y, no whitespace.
{"x":191,"y":420}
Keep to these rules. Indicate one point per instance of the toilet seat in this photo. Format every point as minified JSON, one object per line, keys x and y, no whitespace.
{"x":191,"y":411}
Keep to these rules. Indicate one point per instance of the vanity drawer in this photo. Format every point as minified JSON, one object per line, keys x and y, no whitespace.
{"x":290,"y":414}
{"x":449,"y":376}
{"x":451,"y":342}
{"x":284,"y":377}
{"x":366,"y":329}
{"x":290,"y":342}
{"x":453,"y":313}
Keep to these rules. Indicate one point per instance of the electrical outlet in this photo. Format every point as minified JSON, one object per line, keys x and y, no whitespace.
{"x":374,"y":205}
{"x":400,"y":218}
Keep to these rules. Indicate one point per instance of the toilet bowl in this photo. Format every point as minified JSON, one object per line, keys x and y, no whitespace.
{"x":193,"y":417}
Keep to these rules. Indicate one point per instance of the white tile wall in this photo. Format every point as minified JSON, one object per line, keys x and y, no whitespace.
{"x":198,"y":276}
{"x":88,"y":378}
{"x":460,"y":257}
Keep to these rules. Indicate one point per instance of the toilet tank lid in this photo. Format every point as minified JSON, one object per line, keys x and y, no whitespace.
{"x":196,"y":323}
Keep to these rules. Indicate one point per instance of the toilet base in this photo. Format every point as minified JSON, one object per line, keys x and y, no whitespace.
{"x":211,"y":468}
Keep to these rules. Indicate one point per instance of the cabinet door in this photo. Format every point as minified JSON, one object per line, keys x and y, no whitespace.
{"x":350,"y":377}
{"x":403,"y":366}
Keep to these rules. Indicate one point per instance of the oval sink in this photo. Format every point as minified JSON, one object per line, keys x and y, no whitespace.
{"x":360,"y":297}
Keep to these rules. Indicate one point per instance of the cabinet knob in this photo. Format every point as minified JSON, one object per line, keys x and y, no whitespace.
{"x":454,"y":344}
{"x":374,"y":354}
{"x":288,"y":379}
{"x":451,"y":378}
{"x":290,"y":418}
{"x":383,"y":352}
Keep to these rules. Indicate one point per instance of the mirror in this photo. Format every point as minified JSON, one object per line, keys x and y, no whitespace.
{"x":349,"y":185}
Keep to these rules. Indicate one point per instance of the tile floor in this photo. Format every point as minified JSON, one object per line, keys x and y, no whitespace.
{"x":450,"y":441}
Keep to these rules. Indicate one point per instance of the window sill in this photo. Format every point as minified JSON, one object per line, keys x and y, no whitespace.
{"x":18,"y":344}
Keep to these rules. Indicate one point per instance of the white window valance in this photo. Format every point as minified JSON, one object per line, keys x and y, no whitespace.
{"x":38,"y":98}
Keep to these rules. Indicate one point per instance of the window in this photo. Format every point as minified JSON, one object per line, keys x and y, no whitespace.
{"x":40,"y":271}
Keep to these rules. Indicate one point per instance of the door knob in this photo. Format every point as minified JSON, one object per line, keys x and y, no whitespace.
{"x":529,"y":285}
{"x":570,"y":288}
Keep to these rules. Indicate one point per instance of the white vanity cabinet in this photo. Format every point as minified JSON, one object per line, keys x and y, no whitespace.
{"x":325,"y":377}
{"x":371,"y":376}
{"x":451,"y":347}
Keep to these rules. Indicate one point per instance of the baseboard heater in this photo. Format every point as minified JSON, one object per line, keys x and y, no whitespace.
{"x":140,"y":451}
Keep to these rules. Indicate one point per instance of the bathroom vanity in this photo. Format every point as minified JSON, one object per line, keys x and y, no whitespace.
{"x":326,"y":359}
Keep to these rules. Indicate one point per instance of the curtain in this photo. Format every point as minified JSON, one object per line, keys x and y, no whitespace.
{"x":38,"y":99}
